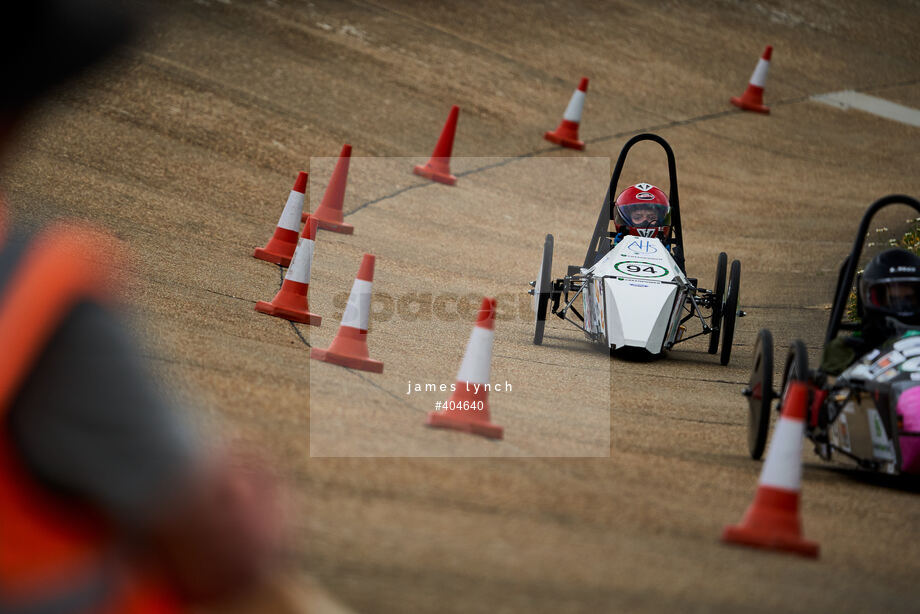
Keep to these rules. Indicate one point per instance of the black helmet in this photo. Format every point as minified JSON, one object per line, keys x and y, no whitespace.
{"x":890,"y":287}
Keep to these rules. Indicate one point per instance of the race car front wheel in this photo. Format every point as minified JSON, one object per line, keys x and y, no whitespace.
{"x":760,"y":394}
{"x":796,"y":368}
{"x":543,"y":290}
{"x":730,"y":311}
{"x":718,"y":299}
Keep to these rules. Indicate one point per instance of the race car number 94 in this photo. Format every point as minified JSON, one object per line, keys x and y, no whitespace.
{"x":640,"y":269}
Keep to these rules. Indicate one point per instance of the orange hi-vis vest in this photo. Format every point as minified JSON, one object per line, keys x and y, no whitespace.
{"x":55,"y":555}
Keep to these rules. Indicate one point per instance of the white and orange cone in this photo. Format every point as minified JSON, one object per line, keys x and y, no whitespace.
{"x":566,"y":134}
{"x":772,"y":521}
{"x":349,"y":348}
{"x":329,"y":213}
{"x":280,"y":248}
{"x":291,"y":301}
{"x":752,"y":99}
{"x":468,"y":407}
{"x":438,"y":166}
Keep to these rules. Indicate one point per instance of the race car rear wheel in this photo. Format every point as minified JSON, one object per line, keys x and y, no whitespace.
{"x":760,"y":394}
{"x":718,"y":299}
{"x":543,"y":290}
{"x":796,"y":368}
{"x":730,"y":311}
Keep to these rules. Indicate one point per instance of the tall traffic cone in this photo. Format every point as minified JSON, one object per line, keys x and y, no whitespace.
{"x":566,"y":134}
{"x":752,"y":99}
{"x":438,"y":166}
{"x":291,"y":302}
{"x":468,"y":407}
{"x":280,"y":248}
{"x":772,"y":520}
{"x":349,"y":348}
{"x":329,"y":212}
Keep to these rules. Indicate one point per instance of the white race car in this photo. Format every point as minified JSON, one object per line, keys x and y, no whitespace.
{"x":636,"y":294}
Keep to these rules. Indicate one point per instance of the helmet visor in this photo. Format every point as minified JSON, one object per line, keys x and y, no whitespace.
{"x":900,"y":295}
{"x":645,"y":215}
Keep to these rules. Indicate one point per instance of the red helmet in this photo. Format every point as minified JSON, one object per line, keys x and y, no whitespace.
{"x":643,"y":210}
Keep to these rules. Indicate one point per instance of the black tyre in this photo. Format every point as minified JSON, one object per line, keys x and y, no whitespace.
{"x":760,"y":394}
{"x":796,"y":368}
{"x":730,"y":311}
{"x":719,"y":285}
{"x":543,"y":290}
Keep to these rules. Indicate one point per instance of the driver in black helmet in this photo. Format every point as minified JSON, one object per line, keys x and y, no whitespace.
{"x":888,"y":301}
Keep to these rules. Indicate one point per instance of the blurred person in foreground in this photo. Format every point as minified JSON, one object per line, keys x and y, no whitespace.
{"x":107,"y":501}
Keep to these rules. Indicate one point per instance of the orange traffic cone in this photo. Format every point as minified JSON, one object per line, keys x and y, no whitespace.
{"x":291,"y":301}
{"x":566,"y":134}
{"x":329,"y":212}
{"x":752,"y":99}
{"x":772,"y":520}
{"x":349,"y":348}
{"x":468,"y":407}
{"x":280,"y":248}
{"x":438,"y":166}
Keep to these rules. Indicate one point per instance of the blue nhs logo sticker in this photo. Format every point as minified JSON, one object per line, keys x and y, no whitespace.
{"x":641,"y":246}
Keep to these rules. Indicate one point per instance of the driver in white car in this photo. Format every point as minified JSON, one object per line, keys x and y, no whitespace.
{"x":642,"y":210}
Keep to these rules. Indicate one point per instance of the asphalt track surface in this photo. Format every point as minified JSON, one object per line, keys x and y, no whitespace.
{"x":188,"y":149}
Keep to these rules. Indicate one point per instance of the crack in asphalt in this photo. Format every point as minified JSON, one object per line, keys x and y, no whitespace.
{"x":694,"y":379}
{"x":293,"y":325}
{"x":551,"y":364}
{"x":652,"y":414}
{"x":600,"y":139}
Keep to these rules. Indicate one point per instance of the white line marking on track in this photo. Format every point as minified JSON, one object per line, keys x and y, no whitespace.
{"x":848,"y":99}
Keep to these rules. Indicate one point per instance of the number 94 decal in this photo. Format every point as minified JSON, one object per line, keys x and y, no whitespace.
{"x":634,"y":268}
